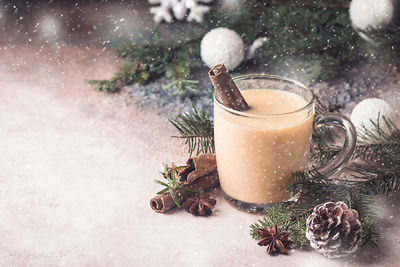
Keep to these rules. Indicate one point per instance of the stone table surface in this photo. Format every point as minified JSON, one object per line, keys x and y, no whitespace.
{"x":77,"y":169}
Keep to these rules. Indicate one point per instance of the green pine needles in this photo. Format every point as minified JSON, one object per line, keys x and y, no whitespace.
{"x":155,"y":58}
{"x":197,"y":129}
{"x":287,"y":220}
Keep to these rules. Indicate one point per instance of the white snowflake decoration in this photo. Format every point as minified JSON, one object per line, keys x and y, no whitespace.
{"x":179,"y":10}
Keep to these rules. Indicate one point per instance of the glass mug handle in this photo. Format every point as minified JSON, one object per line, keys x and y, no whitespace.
{"x":342,"y":122}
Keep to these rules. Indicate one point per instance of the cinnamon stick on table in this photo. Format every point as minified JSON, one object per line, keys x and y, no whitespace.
{"x":226,"y":89}
{"x":200,"y":174}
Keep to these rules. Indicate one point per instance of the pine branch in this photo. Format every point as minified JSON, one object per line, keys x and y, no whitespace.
{"x":314,"y":189}
{"x":286,"y":220}
{"x":109,"y":86}
{"x":153,"y":59}
{"x":379,"y":133}
{"x":370,"y":234}
{"x":178,"y":72}
{"x":197,"y":129}
{"x":375,"y":181}
{"x":323,"y":66}
{"x":379,"y":146}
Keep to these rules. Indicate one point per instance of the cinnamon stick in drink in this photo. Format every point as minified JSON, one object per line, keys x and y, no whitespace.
{"x":225,"y":88}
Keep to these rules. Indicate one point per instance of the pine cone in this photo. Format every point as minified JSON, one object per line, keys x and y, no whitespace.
{"x":333,"y":229}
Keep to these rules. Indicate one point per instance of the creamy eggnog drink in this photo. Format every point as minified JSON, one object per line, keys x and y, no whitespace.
{"x":258,"y":149}
{"x":262,"y":128}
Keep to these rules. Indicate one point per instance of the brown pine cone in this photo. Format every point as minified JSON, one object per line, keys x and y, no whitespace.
{"x":333,"y":229}
{"x":201,"y":205}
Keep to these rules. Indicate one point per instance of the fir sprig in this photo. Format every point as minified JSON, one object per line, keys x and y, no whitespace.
{"x":286,"y":220}
{"x":313,"y":189}
{"x":378,"y":146}
{"x":153,"y":59}
{"x":369,"y":235}
{"x":178,"y":71}
{"x":197,"y":129}
{"x":173,"y":184}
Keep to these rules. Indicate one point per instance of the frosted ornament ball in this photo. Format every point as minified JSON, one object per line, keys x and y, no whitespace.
{"x":370,"y":109}
{"x":222,"y":45}
{"x":371,"y":14}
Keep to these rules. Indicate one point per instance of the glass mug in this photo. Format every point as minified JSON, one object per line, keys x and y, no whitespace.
{"x":256,"y":153}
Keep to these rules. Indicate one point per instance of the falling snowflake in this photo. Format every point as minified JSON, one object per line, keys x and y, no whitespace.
{"x":192,"y":10}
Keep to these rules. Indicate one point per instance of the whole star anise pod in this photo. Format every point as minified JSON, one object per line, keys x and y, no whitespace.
{"x":276,"y":241}
{"x":200,"y":205}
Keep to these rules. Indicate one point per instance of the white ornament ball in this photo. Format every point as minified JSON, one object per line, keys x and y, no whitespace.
{"x":222,"y":45}
{"x":375,"y":14}
{"x":370,"y":109}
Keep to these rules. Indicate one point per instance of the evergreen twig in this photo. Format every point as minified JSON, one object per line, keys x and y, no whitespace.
{"x":197,"y":129}
{"x":152,"y":59}
{"x":286,"y":220}
{"x":379,"y":146}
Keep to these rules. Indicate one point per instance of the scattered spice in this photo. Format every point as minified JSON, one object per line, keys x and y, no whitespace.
{"x":200,"y":205}
{"x":200,"y":175}
{"x":276,"y":242}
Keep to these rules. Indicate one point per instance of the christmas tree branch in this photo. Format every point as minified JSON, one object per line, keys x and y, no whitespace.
{"x":314,"y":189}
{"x":379,"y":146}
{"x":287,"y":221}
{"x":197,"y":129}
{"x":154,"y":59}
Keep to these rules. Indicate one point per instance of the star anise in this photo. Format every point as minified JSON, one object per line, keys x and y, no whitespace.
{"x":276,"y":241}
{"x":200,"y":205}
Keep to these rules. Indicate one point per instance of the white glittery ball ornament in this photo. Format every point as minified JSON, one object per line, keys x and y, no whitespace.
{"x":371,"y":14}
{"x":222,"y":45}
{"x":371,"y":109}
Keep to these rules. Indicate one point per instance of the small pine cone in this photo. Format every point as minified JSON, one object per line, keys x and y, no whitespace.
{"x":333,"y":229}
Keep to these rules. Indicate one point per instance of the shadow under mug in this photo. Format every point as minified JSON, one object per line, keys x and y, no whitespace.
{"x":255,"y":157}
